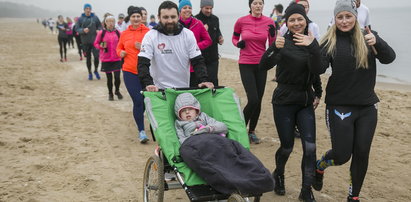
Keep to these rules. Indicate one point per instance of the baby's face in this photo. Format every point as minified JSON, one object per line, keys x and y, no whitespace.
{"x":188,"y":114}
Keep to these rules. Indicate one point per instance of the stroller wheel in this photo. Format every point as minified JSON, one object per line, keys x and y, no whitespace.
{"x":153,"y":187}
{"x":236,"y":198}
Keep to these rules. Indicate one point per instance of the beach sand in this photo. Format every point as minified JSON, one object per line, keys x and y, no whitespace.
{"x":62,"y":140}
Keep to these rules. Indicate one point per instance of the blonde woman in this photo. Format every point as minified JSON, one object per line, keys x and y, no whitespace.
{"x":351,"y":111}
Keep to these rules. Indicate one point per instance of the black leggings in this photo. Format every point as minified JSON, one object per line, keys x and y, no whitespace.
{"x":286,"y":117}
{"x":254,"y":84}
{"x":88,"y":49}
{"x":79,"y":46}
{"x":352,"y":130}
{"x":117,"y":81}
{"x":70,"y":41}
{"x":212,"y":71}
{"x":63,"y":46}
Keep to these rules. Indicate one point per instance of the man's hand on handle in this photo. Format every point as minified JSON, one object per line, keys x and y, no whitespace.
{"x":206,"y":84}
{"x":151,"y":88}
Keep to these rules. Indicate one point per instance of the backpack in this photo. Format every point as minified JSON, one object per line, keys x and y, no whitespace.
{"x":104,"y":33}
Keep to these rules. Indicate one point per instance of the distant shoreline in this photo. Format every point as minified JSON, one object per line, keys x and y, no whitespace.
{"x":379,"y":85}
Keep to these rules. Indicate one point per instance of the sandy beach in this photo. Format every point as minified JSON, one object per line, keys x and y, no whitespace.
{"x":62,"y":140}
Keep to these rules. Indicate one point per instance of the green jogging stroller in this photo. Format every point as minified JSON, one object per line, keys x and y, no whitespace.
{"x":223,"y":105}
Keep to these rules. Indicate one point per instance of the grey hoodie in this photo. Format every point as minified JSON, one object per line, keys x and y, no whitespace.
{"x":185,"y":129}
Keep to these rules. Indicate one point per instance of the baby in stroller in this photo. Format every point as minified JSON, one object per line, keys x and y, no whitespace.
{"x":223,"y":163}
{"x":191,"y":121}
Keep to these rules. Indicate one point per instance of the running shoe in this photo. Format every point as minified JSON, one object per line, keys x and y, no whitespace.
{"x":143,"y":137}
{"x":119,"y":95}
{"x":111,"y":97}
{"x":279,"y":187}
{"x":65,"y":59}
{"x":90,"y":76}
{"x":353,"y":199}
{"x":81,"y":58}
{"x":253,"y":138}
{"x":61,"y":60}
{"x":306,"y":195}
{"x":97,"y":75}
{"x":318,"y":181}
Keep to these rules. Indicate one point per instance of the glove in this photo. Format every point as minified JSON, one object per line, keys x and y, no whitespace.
{"x":241,"y":44}
{"x":271,"y":30}
{"x":201,"y":130}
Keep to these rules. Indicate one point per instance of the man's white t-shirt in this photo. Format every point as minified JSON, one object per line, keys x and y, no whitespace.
{"x":170,"y":57}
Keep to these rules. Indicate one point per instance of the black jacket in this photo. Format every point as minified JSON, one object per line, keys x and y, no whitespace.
{"x":295,"y":81}
{"x":211,"y":52}
{"x":349,"y":85}
{"x":92,"y":23}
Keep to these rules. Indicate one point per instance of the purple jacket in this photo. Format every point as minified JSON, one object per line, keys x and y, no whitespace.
{"x":111,"y":40}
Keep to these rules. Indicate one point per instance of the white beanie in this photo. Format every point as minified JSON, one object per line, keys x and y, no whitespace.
{"x":345,"y":5}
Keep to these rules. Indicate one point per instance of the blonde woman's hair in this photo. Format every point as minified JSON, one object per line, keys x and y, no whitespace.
{"x":329,"y":40}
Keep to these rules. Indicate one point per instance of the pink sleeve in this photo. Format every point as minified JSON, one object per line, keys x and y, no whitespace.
{"x":97,"y":41}
{"x":205,"y":39}
{"x":236,"y":33}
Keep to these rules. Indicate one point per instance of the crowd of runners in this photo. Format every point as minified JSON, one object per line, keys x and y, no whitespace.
{"x":181,"y":50}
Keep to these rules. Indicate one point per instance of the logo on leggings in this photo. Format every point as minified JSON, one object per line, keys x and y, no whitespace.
{"x":342,"y":115}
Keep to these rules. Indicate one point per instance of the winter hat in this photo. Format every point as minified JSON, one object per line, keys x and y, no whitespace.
{"x":133,"y":10}
{"x":183,"y":3}
{"x":186,"y":100}
{"x":295,"y":8}
{"x":345,"y":5}
{"x":87,"y":5}
{"x":206,"y":3}
{"x":121,"y":15}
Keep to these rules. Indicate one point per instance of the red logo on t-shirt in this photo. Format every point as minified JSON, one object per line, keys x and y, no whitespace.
{"x":161,"y":46}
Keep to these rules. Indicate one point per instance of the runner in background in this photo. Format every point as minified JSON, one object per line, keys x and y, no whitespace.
{"x":78,"y":38}
{"x":106,"y":41}
{"x":196,"y":26}
{"x":120,"y":22}
{"x":69,"y":32}
{"x":251,"y":33}
{"x":153,"y":22}
{"x":212,"y":25}
{"x":87,"y":26}
{"x":62,"y":37}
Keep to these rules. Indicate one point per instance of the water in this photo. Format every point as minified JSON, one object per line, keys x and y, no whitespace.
{"x":392,"y":26}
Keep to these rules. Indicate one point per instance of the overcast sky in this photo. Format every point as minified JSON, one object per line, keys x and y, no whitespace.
{"x":221,"y":6}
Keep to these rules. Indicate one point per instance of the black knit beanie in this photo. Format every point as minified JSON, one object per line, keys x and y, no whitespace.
{"x":296,"y":8}
{"x":133,"y":10}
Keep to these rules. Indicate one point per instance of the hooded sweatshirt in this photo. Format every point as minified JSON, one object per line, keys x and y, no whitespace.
{"x":127,"y":42}
{"x":185,"y":129}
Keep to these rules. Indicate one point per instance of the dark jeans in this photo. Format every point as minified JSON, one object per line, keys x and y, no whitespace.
{"x":286,"y":117}
{"x":254,"y":84}
{"x":88,"y":49}
{"x":352,"y":130}
{"x":133,"y":86}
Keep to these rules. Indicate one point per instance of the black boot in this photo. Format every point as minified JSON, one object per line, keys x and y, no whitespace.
{"x":306,"y":195}
{"x":111,"y":97}
{"x":279,"y":187}
{"x":119,"y":95}
{"x":353,"y":199}
{"x":318,"y":182}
